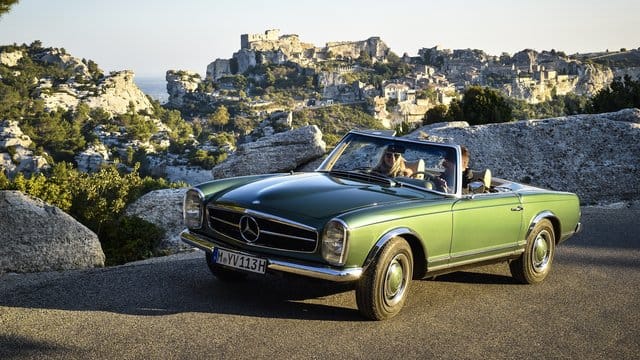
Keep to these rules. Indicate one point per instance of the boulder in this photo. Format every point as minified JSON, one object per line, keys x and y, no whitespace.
{"x":595,"y":156}
{"x":37,"y":237}
{"x":280,"y":152}
{"x":163,"y":208}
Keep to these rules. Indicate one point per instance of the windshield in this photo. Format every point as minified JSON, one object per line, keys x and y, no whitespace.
{"x":423,"y":164}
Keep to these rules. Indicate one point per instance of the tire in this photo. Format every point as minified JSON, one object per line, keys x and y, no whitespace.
{"x":533,"y":266}
{"x":222,"y":273}
{"x":383,"y":288}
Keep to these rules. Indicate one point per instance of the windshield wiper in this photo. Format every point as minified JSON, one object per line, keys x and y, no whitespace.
{"x":369,"y":177}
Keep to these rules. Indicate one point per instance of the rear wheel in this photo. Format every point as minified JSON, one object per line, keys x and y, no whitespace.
{"x":382,"y":290}
{"x":533,"y":266}
{"x":222,"y":273}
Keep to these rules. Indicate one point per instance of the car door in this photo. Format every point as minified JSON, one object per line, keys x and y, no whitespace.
{"x":485,"y":226}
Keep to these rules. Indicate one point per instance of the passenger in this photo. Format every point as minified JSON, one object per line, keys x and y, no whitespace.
{"x":392,"y":163}
{"x":467,"y":173}
{"x":447,"y":177}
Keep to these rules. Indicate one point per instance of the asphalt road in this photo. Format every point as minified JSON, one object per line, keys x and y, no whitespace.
{"x":589,"y":308}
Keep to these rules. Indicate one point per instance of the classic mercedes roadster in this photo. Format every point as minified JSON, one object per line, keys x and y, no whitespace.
{"x":379,"y":211}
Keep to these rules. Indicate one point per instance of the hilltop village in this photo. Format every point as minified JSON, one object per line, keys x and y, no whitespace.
{"x":435,"y":76}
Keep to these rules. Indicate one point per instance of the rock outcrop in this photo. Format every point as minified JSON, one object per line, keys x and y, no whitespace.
{"x":10,"y":58}
{"x":64,"y":61}
{"x":92,"y":159}
{"x":113,"y":93}
{"x":15,"y":156}
{"x":280,"y":152}
{"x":37,"y":237}
{"x":595,"y":156}
{"x":117,"y":91}
{"x":179,"y":84}
{"x":163,"y":208}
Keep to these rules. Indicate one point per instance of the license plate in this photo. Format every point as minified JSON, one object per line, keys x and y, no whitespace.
{"x":239,"y":261}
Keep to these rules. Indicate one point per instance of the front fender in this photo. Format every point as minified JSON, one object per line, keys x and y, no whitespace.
{"x":414,"y":240}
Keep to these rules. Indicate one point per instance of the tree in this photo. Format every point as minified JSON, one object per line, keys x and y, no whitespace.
{"x":436,"y":114}
{"x":5,"y":6}
{"x":220,"y":117}
{"x":485,"y":105}
{"x":455,"y":112}
{"x":365,"y":58}
{"x":621,"y":94}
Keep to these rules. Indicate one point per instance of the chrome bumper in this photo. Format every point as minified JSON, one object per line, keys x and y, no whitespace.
{"x":313,"y":271}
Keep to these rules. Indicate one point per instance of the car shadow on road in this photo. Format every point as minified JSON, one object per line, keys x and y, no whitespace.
{"x":15,"y":346}
{"x":467,"y":277}
{"x":179,"y":287}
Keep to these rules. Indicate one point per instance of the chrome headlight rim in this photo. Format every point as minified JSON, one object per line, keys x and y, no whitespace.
{"x":185,"y":217}
{"x":329,"y":256}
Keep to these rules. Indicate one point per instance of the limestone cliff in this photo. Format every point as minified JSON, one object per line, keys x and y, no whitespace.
{"x":113,"y":93}
{"x":117,"y":91}
{"x":84,"y":83}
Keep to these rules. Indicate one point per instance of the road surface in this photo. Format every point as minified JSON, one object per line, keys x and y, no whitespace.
{"x":172,"y":308}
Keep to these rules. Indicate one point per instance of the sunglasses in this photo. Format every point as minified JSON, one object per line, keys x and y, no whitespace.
{"x":392,"y":155}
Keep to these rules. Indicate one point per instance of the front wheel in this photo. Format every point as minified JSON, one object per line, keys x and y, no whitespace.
{"x":533,"y":266}
{"x":382,"y":290}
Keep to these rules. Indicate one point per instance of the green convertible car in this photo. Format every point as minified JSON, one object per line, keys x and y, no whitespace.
{"x":379,"y":211}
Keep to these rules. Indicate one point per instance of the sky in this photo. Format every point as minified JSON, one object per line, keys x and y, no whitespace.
{"x":151,"y":37}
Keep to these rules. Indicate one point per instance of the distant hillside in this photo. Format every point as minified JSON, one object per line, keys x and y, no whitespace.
{"x":613,"y":59}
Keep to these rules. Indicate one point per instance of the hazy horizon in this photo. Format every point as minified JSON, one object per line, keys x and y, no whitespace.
{"x":153,"y":37}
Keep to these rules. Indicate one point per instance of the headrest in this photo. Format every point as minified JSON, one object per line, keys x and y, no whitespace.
{"x":485,"y":177}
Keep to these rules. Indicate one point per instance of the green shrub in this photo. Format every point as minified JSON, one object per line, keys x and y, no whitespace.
{"x":130,"y":238}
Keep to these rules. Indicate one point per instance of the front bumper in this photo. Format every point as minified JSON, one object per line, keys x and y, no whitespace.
{"x":279,"y":265}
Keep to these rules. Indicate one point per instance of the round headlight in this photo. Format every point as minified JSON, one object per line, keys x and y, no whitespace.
{"x":334,"y":242}
{"x":192,"y":209}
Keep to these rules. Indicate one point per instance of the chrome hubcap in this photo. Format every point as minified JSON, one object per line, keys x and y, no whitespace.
{"x":395,"y":280}
{"x":541,"y":251}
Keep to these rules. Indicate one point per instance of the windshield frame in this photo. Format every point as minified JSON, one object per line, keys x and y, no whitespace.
{"x":328,"y":164}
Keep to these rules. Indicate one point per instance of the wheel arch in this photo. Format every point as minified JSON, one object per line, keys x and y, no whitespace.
{"x":414,"y":241}
{"x":546,"y":215}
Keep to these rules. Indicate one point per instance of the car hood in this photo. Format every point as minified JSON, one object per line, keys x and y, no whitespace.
{"x":313,"y":195}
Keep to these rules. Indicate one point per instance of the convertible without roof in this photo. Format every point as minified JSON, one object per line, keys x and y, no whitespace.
{"x":379,"y":211}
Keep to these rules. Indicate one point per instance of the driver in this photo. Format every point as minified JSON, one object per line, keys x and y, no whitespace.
{"x":392,"y":163}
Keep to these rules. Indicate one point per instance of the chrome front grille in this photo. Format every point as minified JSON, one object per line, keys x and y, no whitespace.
{"x":264,"y":230}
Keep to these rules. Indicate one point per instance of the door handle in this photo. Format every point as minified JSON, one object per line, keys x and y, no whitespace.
{"x":517,"y":208}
